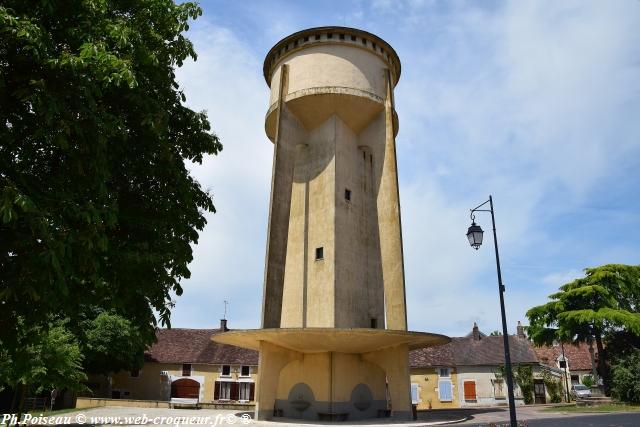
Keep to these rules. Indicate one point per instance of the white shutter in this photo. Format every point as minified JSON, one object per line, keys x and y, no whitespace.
{"x":415,"y":395}
{"x":444,"y":391}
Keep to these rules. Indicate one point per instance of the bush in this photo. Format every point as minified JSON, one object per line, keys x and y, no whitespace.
{"x":553,"y":386}
{"x":626,"y":378}
{"x":587,"y":381}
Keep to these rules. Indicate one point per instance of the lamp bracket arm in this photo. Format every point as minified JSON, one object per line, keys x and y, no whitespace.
{"x":477,"y":209}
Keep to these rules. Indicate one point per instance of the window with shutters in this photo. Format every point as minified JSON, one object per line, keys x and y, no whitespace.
{"x":222,"y":390}
{"x":445,"y":394}
{"x":246,"y":390}
{"x":470,"y":390}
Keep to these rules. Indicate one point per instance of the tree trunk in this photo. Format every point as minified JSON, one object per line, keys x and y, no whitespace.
{"x":14,"y":399}
{"x":602,"y":367}
{"x":23,"y":396}
{"x":594,"y":370}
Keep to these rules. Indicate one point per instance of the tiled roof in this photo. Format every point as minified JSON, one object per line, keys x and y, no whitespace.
{"x":441,"y":355}
{"x":178,"y":345}
{"x":578,"y":356}
{"x":466,"y":351}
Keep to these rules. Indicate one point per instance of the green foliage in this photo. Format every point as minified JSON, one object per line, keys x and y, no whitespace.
{"x":626,"y":378}
{"x":495,"y":334}
{"x":523,"y":377}
{"x":48,"y":358}
{"x":607,"y":297}
{"x":97,"y":206}
{"x":112,"y":344}
{"x":603,"y":303}
{"x":587,"y":381}
{"x":553,"y":386}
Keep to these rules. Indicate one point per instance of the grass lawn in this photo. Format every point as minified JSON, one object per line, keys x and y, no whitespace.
{"x":602,"y":408}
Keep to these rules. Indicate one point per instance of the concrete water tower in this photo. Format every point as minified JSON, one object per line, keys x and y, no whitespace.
{"x":334,"y":340}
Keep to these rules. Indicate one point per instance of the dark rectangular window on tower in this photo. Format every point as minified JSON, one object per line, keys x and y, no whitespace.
{"x":347,"y":194}
{"x":319,"y":253}
{"x":374,"y":323}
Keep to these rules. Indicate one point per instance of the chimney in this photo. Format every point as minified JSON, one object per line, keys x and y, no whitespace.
{"x":476,"y":332}
{"x":520,"y":331}
{"x":223,"y":325}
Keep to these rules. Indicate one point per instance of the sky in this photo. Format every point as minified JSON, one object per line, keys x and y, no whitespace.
{"x":536,"y":103}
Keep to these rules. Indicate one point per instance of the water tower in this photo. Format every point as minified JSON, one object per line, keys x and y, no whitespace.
{"x":334,"y":342}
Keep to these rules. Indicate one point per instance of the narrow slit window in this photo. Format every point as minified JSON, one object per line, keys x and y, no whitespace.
{"x":319,"y":253}
{"x":347,"y":195}
{"x":374,"y":323}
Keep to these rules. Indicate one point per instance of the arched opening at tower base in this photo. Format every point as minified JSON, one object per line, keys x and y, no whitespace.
{"x":331,"y":385}
{"x":332,"y":373}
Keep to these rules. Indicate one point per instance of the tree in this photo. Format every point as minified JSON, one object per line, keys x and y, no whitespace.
{"x":495,"y":333}
{"x":523,"y":377}
{"x":588,"y":309}
{"x":626,"y":378}
{"x":112,"y":344}
{"x":97,"y":205}
{"x":49,"y":358}
{"x":553,"y":386}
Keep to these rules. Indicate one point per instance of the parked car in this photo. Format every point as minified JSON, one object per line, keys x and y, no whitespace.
{"x":580,"y":391}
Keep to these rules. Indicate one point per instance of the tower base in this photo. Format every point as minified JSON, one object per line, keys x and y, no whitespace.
{"x":332,"y":374}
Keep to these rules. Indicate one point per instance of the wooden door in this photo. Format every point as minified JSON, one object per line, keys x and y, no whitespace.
{"x":539,"y":392}
{"x":185,"y":388}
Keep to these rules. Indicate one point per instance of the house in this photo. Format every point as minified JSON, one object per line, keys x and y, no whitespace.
{"x":186,"y":363}
{"x":467,"y":371}
{"x":577,"y":360}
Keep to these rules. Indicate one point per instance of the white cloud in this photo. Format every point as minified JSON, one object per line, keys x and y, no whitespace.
{"x":226,"y":80}
{"x":559,"y":278}
{"x":533,"y":102}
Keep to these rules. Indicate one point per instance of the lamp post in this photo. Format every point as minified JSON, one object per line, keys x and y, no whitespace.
{"x":474,"y":234}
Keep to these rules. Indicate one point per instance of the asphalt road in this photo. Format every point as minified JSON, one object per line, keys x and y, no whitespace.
{"x":595,"y":420}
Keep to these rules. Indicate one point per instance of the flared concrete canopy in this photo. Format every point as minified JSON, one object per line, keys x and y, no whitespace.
{"x":318,"y":340}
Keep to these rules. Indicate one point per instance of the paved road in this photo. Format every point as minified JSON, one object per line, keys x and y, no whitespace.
{"x":536,"y":418}
{"x":478,"y":417}
{"x":599,"y":420}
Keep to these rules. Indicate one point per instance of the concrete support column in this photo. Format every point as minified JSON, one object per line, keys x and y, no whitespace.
{"x":390,"y":225}
{"x":395,"y":362}
{"x":272,"y":359}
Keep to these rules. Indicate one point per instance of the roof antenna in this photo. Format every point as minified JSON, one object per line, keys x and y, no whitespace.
{"x":225,"y":309}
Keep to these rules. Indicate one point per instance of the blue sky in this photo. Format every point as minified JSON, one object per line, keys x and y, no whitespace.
{"x":534,"y":102}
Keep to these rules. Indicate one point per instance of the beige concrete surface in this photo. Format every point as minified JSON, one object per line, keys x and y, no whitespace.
{"x":314,"y":340}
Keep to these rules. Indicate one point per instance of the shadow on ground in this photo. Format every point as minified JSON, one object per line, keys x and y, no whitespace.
{"x":450,"y":415}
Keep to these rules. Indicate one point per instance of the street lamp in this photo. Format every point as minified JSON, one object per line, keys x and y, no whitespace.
{"x":474,"y":234}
